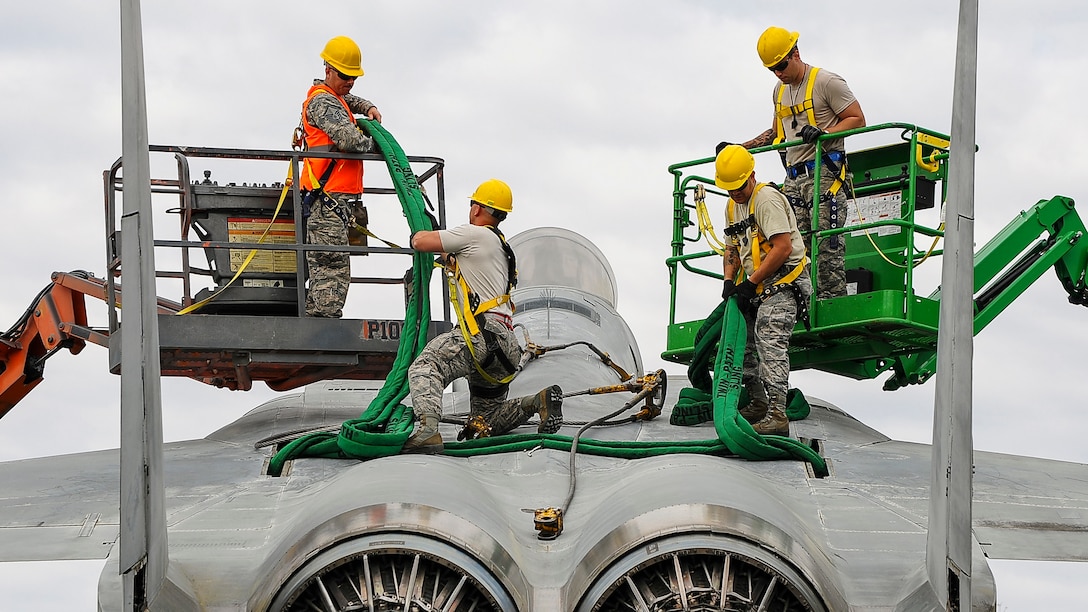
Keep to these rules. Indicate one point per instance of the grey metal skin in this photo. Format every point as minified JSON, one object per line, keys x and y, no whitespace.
{"x":848,"y":541}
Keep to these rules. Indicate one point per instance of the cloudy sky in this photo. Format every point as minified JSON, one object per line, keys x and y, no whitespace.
{"x":580,"y":107}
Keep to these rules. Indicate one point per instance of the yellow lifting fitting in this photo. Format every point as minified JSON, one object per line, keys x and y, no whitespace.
{"x":475,"y":427}
{"x":548,"y":522}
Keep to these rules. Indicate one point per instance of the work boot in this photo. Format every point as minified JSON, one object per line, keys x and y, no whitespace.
{"x":425,"y":439}
{"x":775,"y":423}
{"x":754,"y":411}
{"x":548,"y":403}
{"x":757,"y":402}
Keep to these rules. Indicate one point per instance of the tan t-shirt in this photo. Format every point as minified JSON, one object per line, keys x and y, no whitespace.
{"x":481,"y":259}
{"x":830,"y":96}
{"x":774,"y":216}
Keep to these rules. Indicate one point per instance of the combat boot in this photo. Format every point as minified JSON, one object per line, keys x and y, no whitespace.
{"x":757,"y":402}
{"x":775,"y":423}
{"x":548,"y":403}
{"x":425,"y":439}
{"x":754,"y":411}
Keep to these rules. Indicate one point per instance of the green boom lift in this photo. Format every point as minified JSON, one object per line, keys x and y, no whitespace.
{"x":883,"y":325}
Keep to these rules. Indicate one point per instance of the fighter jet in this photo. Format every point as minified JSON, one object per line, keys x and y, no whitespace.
{"x":673,"y":531}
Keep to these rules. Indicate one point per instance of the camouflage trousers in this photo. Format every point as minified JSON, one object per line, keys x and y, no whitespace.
{"x":766,"y":355}
{"x":830,"y":267}
{"x":447,"y":358}
{"x":329,"y":273}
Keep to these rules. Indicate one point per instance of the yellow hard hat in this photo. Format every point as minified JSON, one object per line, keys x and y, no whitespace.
{"x":774,"y":44}
{"x":344,"y":55}
{"x":732,"y":167}
{"x":494,"y":193}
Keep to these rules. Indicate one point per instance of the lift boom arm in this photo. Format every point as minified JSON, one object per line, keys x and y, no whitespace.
{"x":56,"y":319}
{"x":997,"y":283}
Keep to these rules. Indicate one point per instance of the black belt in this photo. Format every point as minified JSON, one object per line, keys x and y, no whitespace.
{"x":808,"y":167}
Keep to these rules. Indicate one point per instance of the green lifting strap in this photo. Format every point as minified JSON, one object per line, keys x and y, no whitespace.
{"x":384,"y":426}
{"x":723,"y":336}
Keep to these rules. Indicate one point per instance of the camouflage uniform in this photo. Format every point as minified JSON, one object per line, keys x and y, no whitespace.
{"x":830,"y":268}
{"x":447,"y":358}
{"x":766,"y":356}
{"x":330,"y":273}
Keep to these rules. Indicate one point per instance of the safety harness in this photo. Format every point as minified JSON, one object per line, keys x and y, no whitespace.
{"x":760,"y":247}
{"x":469,"y":317}
{"x":353,"y":219}
{"x":834,"y":160}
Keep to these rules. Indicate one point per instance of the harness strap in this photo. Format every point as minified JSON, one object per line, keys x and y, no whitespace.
{"x":468,"y":311}
{"x":802,"y":304}
{"x":782,"y":111}
{"x":757,"y":246}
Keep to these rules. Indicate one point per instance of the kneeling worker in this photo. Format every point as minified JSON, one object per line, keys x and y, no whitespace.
{"x":486,"y":272}
{"x":763,"y":237}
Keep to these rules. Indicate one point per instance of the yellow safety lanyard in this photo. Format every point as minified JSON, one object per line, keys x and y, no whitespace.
{"x":352,"y":223}
{"x":253,"y":252}
{"x":761,"y":247}
{"x":705,"y":225}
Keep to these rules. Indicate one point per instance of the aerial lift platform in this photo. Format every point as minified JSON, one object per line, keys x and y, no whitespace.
{"x":237,"y":314}
{"x":884,"y":325}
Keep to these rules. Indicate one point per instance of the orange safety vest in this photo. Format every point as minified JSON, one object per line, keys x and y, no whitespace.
{"x":347,"y":176}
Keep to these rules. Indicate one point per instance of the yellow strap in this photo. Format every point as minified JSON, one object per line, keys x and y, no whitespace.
{"x":806,"y":106}
{"x":253,"y":252}
{"x":757,"y":247}
{"x":363,"y":230}
{"x":705,"y":226}
{"x":469,"y":328}
{"x":464,"y":312}
{"x":492,"y":303}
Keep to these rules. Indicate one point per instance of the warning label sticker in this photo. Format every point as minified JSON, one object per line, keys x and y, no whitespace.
{"x":282,"y":231}
{"x":872,"y":209}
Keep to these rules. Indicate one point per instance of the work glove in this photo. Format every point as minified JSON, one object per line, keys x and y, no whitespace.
{"x":729,"y":288}
{"x":746,"y":292}
{"x":721,"y":145}
{"x":810,"y":133}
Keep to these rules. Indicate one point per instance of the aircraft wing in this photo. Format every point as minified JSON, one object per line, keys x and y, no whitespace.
{"x":1031,"y":509}
{"x":59,"y":508}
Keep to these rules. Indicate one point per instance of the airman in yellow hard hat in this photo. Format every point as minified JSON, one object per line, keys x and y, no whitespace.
{"x":333,"y":188}
{"x":483,"y":346}
{"x":765,"y":248}
{"x":810,"y":104}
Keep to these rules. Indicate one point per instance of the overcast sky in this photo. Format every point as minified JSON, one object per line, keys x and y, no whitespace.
{"x":579,"y":106}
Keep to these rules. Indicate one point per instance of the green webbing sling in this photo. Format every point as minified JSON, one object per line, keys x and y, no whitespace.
{"x":386,"y":423}
{"x":723,"y":336}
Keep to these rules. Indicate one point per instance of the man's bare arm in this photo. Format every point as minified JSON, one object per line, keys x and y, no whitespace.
{"x":762,"y":140}
{"x":850,"y":118}
{"x":427,"y":241}
{"x":730,"y":262}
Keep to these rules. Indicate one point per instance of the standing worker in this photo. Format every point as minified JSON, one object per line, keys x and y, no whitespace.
{"x":763,"y":238}
{"x":809,"y":103}
{"x":483,"y":347}
{"x":335,"y":187}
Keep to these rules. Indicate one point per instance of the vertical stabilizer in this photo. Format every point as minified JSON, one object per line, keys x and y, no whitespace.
{"x":143,"y":553}
{"x":949,"y":543}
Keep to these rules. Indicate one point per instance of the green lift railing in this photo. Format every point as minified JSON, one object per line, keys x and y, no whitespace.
{"x":884,"y":325}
